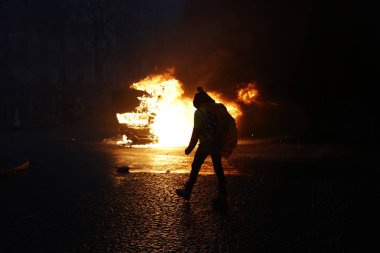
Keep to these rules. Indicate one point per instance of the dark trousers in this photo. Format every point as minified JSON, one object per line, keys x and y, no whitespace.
{"x":200,"y":156}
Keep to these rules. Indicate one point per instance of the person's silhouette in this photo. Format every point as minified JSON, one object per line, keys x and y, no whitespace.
{"x":213,"y":126}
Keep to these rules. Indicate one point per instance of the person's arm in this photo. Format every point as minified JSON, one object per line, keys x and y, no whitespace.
{"x":193,"y":141}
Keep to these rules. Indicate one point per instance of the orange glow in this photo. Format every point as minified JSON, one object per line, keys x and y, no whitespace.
{"x":165,"y":111}
{"x":232,"y":107}
{"x":247,"y":94}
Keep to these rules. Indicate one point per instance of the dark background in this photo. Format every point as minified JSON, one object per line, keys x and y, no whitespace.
{"x":70,"y":63}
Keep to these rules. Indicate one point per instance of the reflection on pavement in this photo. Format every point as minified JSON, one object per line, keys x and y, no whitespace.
{"x":162,"y":160}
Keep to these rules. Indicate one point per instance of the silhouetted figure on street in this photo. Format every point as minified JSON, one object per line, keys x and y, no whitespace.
{"x":216,"y":131}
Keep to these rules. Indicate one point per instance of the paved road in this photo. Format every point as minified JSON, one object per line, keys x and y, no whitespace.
{"x":283,"y":198}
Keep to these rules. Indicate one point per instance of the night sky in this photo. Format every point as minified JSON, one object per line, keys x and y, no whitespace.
{"x":314,"y":62}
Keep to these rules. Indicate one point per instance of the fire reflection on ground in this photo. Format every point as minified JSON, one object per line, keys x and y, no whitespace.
{"x":162,"y":160}
{"x":248,"y":156}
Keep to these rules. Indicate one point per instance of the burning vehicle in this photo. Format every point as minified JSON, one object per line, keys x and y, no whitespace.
{"x":135,"y":128}
{"x":164,"y":116}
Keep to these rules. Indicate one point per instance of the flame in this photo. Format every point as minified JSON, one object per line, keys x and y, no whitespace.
{"x":232,"y":107}
{"x":134,"y":119}
{"x":125,"y":141}
{"x":165,"y":111}
{"x":247,"y":94}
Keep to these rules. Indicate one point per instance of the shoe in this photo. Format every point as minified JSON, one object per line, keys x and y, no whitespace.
{"x":183,"y":194}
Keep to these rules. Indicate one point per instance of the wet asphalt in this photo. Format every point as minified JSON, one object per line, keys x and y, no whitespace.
{"x":282,"y":198}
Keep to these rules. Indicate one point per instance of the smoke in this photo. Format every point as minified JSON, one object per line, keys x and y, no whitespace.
{"x":220,"y":44}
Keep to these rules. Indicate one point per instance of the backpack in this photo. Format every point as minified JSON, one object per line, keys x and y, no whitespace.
{"x":231,"y":137}
{"x":223,"y":127}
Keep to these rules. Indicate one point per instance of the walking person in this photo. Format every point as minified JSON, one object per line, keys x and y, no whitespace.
{"x":215,"y":129}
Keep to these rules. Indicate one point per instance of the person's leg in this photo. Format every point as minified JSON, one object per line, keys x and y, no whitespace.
{"x":199,"y":158}
{"x":218,"y":168}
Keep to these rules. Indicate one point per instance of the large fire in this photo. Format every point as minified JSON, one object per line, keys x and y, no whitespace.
{"x":165,"y":111}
